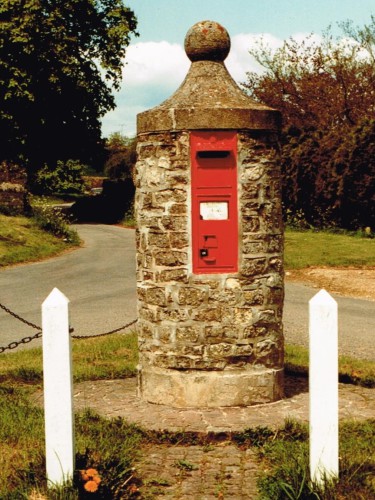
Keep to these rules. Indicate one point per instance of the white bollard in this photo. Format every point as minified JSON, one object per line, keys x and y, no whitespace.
{"x":58,"y":389}
{"x":323,"y":386}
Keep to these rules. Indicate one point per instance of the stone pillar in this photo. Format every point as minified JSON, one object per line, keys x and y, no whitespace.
{"x":208,"y":340}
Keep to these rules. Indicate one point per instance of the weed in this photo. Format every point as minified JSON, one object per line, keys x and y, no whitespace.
{"x":185,"y":465}
{"x":157,"y":482}
{"x":254,"y":436}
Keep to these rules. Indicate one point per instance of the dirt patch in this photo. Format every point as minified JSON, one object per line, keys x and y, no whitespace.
{"x":353,"y":282}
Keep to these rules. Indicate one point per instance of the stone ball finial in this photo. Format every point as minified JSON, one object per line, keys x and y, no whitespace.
{"x":207,"y":41}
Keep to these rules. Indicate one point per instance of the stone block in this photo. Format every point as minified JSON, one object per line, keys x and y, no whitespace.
{"x":254,"y":247}
{"x":214,"y":334}
{"x":158,"y":239}
{"x":176,"y":223}
{"x":179,"y":240}
{"x":174,"y":315}
{"x":250,"y":190}
{"x":176,"y":195}
{"x":253,"y":297}
{"x":251,"y":224}
{"x":155,"y":296}
{"x":220,"y":350}
{"x":171,"y":275}
{"x":253,"y":267}
{"x":210,"y":389}
{"x":225,"y":297}
{"x":170,"y":258}
{"x":190,"y":296}
{"x":177,"y":209}
{"x":188,"y":334}
{"x":208,"y":314}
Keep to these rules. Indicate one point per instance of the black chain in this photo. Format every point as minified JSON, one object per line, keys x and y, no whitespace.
{"x":104,"y":334}
{"x":25,"y":340}
{"x":19,"y":318}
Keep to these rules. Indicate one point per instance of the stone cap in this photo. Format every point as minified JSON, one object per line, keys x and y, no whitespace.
{"x":208,"y":98}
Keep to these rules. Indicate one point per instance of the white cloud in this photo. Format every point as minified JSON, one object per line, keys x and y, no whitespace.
{"x":155,"y":63}
{"x":239,"y":61}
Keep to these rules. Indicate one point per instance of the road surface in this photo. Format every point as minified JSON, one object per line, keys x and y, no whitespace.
{"x":99,"y":280}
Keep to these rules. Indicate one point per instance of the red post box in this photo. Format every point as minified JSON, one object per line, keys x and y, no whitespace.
{"x":214,"y":201}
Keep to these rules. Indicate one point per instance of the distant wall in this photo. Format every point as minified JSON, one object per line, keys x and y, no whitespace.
{"x":12,"y":188}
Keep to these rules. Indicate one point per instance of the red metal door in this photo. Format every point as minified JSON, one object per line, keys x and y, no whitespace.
{"x":214,"y":202}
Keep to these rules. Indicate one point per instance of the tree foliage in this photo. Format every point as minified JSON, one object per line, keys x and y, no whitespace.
{"x":60,"y":61}
{"x":325,"y":89}
{"x":65,"y":178}
{"x":122,"y":156}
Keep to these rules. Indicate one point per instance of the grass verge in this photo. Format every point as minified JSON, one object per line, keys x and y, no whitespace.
{"x":309,"y":248}
{"x":22,"y":240}
{"x":284,"y":457}
{"x":351,"y":370}
{"x":110,"y":357}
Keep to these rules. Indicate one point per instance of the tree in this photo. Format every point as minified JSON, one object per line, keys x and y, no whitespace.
{"x":122,"y":156}
{"x":60,"y":61}
{"x":325,"y":90}
{"x":317,"y":83}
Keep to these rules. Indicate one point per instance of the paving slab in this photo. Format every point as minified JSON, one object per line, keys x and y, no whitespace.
{"x":118,"y":398}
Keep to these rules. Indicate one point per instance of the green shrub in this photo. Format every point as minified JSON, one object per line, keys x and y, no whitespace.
{"x":54,"y":221}
{"x":64,"y":178}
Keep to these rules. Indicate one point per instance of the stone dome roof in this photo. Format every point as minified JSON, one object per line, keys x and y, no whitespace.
{"x":208,"y":98}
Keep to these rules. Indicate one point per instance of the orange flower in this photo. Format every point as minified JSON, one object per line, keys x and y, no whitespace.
{"x":97,"y":479}
{"x":84,"y":476}
{"x":92,"y":472}
{"x":91,"y":486}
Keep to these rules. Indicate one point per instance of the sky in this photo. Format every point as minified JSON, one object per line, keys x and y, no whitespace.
{"x":156,"y":63}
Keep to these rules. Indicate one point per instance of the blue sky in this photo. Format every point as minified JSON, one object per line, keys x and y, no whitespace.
{"x":156,"y":62}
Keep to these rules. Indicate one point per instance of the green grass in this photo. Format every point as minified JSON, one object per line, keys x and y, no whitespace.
{"x":285,"y":459}
{"x":109,"y":446}
{"x":22,"y":240}
{"x":102,"y":358}
{"x":309,"y":248}
{"x":351,"y":370}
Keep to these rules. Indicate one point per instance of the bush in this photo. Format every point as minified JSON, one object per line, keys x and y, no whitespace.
{"x":329,"y":176}
{"x":65,"y":178}
{"x":54,"y":221}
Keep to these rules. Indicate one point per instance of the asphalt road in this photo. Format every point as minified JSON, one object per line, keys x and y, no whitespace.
{"x":356,"y":318}
{"x":99,"y":280}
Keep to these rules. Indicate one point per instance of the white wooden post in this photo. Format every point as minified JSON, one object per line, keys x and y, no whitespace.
{"x":323,"y":386}
{"x":58,"y":389}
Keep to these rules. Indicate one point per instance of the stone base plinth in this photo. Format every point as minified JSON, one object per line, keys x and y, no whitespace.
{"x":189,"y":389}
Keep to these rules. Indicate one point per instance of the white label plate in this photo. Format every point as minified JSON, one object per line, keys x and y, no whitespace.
{"x":213,"y":210}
